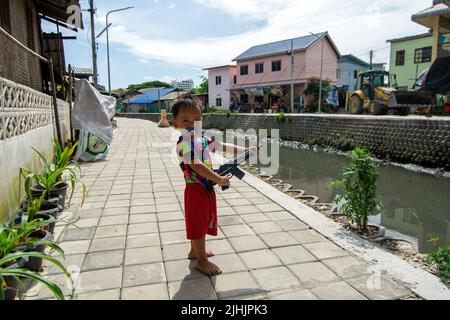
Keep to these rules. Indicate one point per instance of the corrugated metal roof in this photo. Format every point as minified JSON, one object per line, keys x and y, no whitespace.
{"x":173,"y":95}
{"x":150,"y":96}
{"x":81,"y":70}
{"x":436,"y":10}
{"x":300,"y":43}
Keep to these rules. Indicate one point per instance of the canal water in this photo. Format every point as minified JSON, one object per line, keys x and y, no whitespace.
{"x":416,"y":206}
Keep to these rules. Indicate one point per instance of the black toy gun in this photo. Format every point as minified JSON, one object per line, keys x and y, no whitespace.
{"x":231,"y":167}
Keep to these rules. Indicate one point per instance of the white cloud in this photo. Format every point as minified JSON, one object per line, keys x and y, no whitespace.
{"x":355,"y":25}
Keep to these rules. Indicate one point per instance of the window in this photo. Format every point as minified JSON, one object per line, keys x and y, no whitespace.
{"x":400,"y":58}
{"x":244,"y":70}
{"x":259,"y":68}
{"x":218,"y":80}
{"x":422,"y":55}
{"x":235,"y":79}
{"x":276,"y":66}
{"x":218,"y":102}
{"x":355,"y":74}
{"x":5,"y":16}
{"x":338,"y":73}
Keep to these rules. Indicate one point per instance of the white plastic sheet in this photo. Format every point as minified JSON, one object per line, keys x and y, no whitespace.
{"x":93,"y":111}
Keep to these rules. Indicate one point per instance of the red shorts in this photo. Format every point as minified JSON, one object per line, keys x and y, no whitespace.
{"x":200,"y":211}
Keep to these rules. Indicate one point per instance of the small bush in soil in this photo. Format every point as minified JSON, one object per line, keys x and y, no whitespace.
{"x":359,"y":184}
{"x":440,"y":257}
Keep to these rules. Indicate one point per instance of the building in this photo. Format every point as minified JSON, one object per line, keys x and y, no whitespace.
{"x":221,"y":81}
{"x":410,"y":56}
{"x":185,"y":85}
{"x":264,"y":71}
{"x":25,"y":61}
{"x":436,"y":18}
{"x":348,"y":68}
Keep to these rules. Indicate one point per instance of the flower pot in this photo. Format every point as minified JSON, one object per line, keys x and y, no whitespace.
{"x":11,"y":283}
{"x":50,"y":227}
{"x":52,"y":199}
{"x":35,"y":264}
{"x":36,"y":191}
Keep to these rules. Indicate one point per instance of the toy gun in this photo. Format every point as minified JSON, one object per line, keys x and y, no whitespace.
{"x":231,"y":167}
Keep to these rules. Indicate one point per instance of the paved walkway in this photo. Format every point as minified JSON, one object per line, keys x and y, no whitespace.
{"x":131,"y":243}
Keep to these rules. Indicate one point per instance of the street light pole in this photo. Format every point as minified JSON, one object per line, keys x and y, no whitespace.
{"x":94,"y":45}
{"x":321,"y":75}
{"x":107,"y":45}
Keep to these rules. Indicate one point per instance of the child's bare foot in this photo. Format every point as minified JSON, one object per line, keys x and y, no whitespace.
{"x":193,"y":256}
{"x":208,"y":268}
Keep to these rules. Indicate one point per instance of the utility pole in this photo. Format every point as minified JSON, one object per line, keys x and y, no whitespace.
{"x":321,"y":76}
{"x":292,"y":75}
{"x":94,"y":45}
{"x":371,"y":59}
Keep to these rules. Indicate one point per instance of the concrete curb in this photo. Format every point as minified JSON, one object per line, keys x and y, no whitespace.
{"x":423,"y":283}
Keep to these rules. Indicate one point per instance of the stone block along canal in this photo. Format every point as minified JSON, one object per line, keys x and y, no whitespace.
{"x":416,"y":206}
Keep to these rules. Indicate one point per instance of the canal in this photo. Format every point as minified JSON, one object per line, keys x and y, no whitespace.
{"x":416,"y":206}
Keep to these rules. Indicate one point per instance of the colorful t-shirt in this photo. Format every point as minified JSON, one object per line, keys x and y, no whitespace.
{"x":192,"y":149}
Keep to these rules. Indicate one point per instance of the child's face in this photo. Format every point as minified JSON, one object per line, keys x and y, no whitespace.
{"x":187,"y":117}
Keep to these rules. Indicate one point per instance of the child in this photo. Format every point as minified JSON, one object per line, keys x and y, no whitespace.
{"x":194,"y":150}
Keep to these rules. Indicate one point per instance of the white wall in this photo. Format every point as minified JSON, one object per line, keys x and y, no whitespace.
{"x":220,"y":91}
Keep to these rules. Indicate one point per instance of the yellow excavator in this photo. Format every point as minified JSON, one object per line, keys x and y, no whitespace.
{"x":377,"y":93}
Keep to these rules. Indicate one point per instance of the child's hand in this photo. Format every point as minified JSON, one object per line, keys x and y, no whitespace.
{"x":224,"y":181}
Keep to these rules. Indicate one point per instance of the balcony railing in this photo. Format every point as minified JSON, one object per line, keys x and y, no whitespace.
{"x":444,"y":50}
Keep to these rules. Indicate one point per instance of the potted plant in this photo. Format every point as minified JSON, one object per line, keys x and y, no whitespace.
{"x":37,"y":211}
{"x":359,"y":200}
{"x":11,"y":270}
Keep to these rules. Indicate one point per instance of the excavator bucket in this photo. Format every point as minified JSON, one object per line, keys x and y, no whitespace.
{"x":414,"y":99}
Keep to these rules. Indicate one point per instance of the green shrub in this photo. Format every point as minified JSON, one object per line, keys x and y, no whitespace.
{"x":440,"y":257}
{"x":359,"y":184}
{"x":281,"y":117}
{"x":289,"y":118}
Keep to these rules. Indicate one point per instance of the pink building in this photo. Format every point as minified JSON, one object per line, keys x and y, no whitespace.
{"x":220,"y":82}
{"x":264,"y":71}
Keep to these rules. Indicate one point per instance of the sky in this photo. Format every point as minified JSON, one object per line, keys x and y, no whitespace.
{"x":176,"y":39}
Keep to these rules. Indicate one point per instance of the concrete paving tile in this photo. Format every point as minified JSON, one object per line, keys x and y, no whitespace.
{"x":307,"y":236}
{"x":228,"y":263}
{"x":269,"y":207}
{"x":113,"y":220}
{"x":264,"y":227}
{"x":198,"y":289}
{"x":170,"y":216}
{"x":238,"y":202}
{"x":142,"y":209}
{"x":325,"y":250}
{"x":73,"y":261}
{"x":75,"y":247}
{"x":178,"y":251}
{"x":142,"y":218}
{"x":117,"y":204}
{"x":348,"y":267}
{"x":142,"y":228}
{"x":293,"y":255}
{"x":173,"y":237}
{"x":260,"y":259}
{"x":143,"y":274}
{"x":111,"y":231}
{"x":100,"y":280}
{"x":143,"y":240}
{"x":235,"y":284}
{"x":278,"y":239}
{"x":168,"y":207}
{"x":379,"y":287}
{"x":254,"y":217}
{"x":313,"y":274}
{"x":219,"y":247}
{"x":158,"y":291}
{"x":116,"y":212}
{"x":237,"y":230}
{"x":275,"y":278}
{"x":182,"y":269}
{"x":177,"y":225}
{"x":225,"y":211}
{"x":78,"y":234}
{"x":112,"y":294}
{"x":290,"y":225}
{"x":247,"y":243}
{"x":229,"y":220}
{"x":279,"y":215}
{"x":143,"y":202}
{"x":337,"y":291}
{"x":107,"y":244}
{"x":289,"y":295}
{"x":143,"y":255}
{"x":85,"y":223}
{"x":103,"y":260}
{"x":246,"y":209}
{"x":89,"y":213}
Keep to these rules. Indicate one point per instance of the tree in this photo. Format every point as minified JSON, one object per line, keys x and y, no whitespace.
{"x":203,"y":87}
{"x":313,"y":88}
{"x":146,"y":85}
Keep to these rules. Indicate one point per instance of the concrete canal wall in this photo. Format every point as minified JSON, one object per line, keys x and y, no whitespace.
{"x":414,"y":139}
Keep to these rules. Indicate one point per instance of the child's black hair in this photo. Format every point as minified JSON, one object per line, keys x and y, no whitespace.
{"x":188,"y":101}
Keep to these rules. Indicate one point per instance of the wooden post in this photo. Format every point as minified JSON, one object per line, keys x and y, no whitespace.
{"x":70,"y":103}
{"x":55,"y":102}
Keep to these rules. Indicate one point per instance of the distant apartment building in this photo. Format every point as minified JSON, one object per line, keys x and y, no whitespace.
{"x":221,"y":81}
{"x":185,"y":85}
{"x":410,"y":56}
